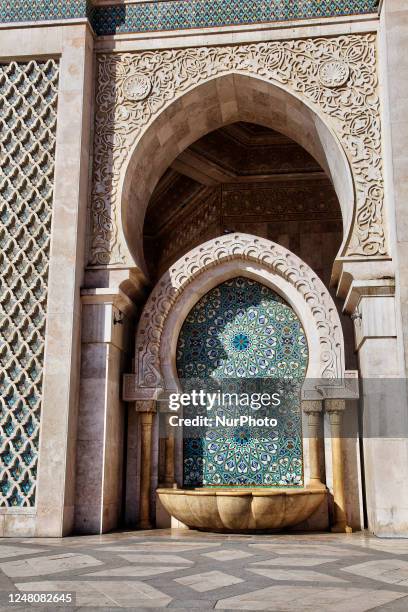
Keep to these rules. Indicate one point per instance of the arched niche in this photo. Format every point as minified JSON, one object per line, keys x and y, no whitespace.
{"x":243,"y":337}
{"x":211,"y":264}
{"x":208,"y":106}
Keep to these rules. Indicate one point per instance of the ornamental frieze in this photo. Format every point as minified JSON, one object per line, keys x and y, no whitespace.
{"x":336,"y":76}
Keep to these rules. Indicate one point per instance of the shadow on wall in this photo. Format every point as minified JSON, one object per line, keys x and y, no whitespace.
{"x":108,"y":20}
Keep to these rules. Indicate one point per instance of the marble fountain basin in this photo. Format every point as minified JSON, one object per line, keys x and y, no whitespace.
{"x":240,"y":510}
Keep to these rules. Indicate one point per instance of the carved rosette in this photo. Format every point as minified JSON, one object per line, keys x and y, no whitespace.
{"x":336,"y":75}
{"x":137,"y":87}
{"x":245,"y":248}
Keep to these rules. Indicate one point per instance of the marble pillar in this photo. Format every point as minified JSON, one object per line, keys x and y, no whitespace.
{"x":335,"y":409}
{"x":146,"y":410}
{"x":106,"y":334}
{"x":393,"y":79}
{"x":313,"y":410}
{"x":170,"y":443}
{"x":383,"y":404}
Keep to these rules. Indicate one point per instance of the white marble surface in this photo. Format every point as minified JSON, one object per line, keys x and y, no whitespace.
{"x":208,"y":581}
{"x":281,"y":573}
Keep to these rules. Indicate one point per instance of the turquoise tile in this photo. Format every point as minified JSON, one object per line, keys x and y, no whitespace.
{"x":242,"y":338}
{"x":181,"y":14}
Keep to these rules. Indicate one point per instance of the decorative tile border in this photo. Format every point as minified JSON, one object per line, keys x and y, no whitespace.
{"x":179,"y":14}
{"x":43,"y":10}
{"x":174,"y":15}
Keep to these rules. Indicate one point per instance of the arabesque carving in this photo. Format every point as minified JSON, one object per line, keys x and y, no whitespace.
{"x":350,"y":107}
{"x":246,"y":248}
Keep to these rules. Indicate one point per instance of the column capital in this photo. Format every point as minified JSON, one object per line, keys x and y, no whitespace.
{"x":321,"y":389}
{"x":146,"y":406}
{"x":371,"y":304}
{"x":367,"y":288}
{"x":130,"y":281}
{"x":312,"y":406}
{"x":109,"y":296}
{"x":133,"y":393}
{"x":348,"y":271}
{"x":335,"y":405}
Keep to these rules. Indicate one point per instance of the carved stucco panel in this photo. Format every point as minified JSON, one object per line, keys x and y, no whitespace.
{"x":241,"y":247}
{"x":337,"y":76}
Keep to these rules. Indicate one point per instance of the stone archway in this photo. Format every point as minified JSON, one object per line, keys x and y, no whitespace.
{"x":185,"y":283}
{"x":320,"y":92}
{"x":205,"y":267}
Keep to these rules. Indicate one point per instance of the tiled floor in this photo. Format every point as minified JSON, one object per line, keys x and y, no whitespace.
{"x":190,"y":570}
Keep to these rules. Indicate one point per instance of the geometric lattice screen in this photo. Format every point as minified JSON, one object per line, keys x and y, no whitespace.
{"x":28,"y":111}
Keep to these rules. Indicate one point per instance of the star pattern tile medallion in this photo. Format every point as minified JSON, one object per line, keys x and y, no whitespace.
{"x":243,"y":338}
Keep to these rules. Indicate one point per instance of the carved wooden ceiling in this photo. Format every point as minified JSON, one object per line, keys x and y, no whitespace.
{"x":240,"y":177}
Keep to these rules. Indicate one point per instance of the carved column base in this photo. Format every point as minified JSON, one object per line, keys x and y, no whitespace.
{"x":341,"y":528}
{"x":315,"y":484}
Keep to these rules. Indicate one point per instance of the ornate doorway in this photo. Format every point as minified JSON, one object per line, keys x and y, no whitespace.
{"x":246,"y":340}
{"x":268,"y":496}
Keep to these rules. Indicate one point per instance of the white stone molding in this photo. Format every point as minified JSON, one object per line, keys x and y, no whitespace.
{"x":335,"y":77}
{"x":308,"y":294}
{"x":372,"y":306}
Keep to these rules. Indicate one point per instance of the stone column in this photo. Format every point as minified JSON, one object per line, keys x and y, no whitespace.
{"x":393,"y":80}
{"x":167,"y":463}
{"x":107,"y":317}
{"x":384,"y":405}
{"x":313,"y":409}
{"x":169,"y":480}
{"x":335,"y":408}
{"x":146,"y":410}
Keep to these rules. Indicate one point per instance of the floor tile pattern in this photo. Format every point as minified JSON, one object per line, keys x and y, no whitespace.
{"x":189,"y":570}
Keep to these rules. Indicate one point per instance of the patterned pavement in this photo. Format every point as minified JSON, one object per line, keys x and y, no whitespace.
{"x":188,"y":570}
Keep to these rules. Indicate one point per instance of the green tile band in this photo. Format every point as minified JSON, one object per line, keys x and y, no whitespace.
{"x":43,"y":10}
{"x":180,"y":14}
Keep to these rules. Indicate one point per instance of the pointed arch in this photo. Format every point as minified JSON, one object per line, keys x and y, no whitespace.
{"x":208,"y":106}
{"x":209,"y":265}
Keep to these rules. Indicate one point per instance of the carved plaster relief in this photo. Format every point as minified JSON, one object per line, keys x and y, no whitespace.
{"x":247,"y":248}
{"x":337,"y":76}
